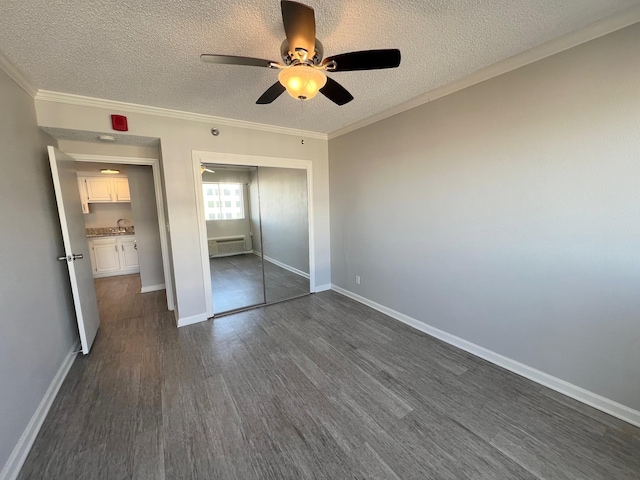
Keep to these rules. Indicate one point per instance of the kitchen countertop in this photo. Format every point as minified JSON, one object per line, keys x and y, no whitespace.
{"x":110,"y":234}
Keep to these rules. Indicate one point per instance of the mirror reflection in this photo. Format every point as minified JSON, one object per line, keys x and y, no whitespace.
{"x":285,"y":231}
{"x":236,"y":273}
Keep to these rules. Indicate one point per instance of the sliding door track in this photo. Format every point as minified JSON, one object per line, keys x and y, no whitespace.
{"x":257,"y":305}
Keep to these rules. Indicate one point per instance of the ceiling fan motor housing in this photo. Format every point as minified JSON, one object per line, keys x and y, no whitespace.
{"x":289,"y":57}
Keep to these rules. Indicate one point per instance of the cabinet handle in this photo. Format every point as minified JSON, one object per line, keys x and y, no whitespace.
{"x":116,"y":247}
{"x":122,"y":246}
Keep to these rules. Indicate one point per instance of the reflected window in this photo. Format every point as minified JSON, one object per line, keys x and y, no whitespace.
{"x":229,"y":208}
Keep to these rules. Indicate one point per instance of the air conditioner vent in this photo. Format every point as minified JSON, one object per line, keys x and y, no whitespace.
{"x":224,"y":246}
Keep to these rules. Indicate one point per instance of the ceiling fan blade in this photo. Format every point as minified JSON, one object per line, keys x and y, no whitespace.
{"x":336,"y":92}
{"x":299,"y":25}
{"x":273,"y":92}
{"x":365,"y":60}
{"x":234,"y":60}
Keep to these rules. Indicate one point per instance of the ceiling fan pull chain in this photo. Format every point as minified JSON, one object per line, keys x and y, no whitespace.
{"x":301,"y":120}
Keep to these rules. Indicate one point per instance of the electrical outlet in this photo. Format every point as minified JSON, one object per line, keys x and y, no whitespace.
{"x":357,"y":280}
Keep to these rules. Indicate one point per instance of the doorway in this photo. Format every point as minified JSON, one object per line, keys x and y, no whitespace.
{"x":114,"y":247}
{"x":151,"y":243}
{"x":255,"y":231}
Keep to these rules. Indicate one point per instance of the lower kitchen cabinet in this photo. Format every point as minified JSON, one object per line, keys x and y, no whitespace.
{"x":128,"y":253}
{"x":114,"y":255}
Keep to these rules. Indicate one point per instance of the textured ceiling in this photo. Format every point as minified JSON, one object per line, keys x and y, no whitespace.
{"x":147,"y":51}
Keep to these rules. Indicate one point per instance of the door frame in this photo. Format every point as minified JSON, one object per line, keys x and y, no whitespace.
{"x":154,"y":163}
{"x":200,"y":157}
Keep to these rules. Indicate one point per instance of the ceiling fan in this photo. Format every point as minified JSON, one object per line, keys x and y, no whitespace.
{"x":302,"y":67}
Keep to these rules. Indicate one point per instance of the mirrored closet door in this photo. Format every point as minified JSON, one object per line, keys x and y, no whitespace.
{"x":257,"y":229}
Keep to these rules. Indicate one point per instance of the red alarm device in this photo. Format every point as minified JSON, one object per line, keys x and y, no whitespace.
{"x":119,"y":122}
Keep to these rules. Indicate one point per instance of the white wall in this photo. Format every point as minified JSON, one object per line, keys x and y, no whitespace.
{"x":145,"y":218}
{"x":507,"y":214}
{"x":178,"y":138}
{"x":37,"y":320}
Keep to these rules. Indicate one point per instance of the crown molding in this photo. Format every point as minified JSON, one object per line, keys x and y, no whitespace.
{"x":590,"y":32}
{"x":20,"y":78}
{"x":71,"y":99}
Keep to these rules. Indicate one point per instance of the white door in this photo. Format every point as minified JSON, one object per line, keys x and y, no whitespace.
{"x":106,"y":257}
{"x":76,"y":247}
{"x":128,"y":253}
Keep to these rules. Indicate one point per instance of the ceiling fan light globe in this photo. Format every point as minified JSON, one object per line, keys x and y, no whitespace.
{"x":302,"y":81}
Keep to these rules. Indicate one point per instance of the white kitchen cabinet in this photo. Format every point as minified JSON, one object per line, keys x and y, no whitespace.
{"x":104,"y":190}
{"x":98,"y":189}
{"x":128,"y":253}
{"x":105,"y":257}
{"x":113,"y":255}
{"x":83,"y":195}
{"x":120,"y":189}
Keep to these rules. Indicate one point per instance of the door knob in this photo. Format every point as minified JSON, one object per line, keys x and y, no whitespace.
{"x":77,"y":256}
{"x":63,"y":258}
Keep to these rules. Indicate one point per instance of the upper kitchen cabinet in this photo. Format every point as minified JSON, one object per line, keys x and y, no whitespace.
{"x":120,"y":189}
{"x":105,"y":190}
{"x":98,"y":189}
{"x":83,"y":195}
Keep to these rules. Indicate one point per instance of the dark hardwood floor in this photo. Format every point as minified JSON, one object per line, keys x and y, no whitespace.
{"x":237,"y":282}
{"x":319,"y":387}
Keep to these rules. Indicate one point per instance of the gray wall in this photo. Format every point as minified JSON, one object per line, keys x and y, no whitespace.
{"x":145,"y":219}
{"x":284,"y":214}
{"x":227,"y":228}
{"x":107,"y":214}
{"x":507,"y":214}
{"x":37,"y":321}
{"x":254,"y":211}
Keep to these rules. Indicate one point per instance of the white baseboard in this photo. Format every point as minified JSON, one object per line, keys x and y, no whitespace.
{"x":184,"y":321}
{"x":578,"y":393}
{"x":322,"y":288}
{"x":19,"y":455}
{"x":222,"y":255}
{"x":286,"y":267}
{"x":152,"y":288}
{"x":283,"y":265}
